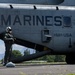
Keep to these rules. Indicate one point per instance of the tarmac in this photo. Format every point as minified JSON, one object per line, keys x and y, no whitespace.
{"x":52,"y":69}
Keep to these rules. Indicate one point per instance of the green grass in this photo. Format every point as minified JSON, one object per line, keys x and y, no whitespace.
{"x":71,"y":74}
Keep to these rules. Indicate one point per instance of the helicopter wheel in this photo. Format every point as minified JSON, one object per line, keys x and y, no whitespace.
{"x":70,"y":59}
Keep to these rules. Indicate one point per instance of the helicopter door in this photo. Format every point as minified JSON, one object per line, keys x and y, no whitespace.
{"x":45,"y":36}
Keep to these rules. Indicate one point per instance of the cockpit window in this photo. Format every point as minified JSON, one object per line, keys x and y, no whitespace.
{"x":67,"y":21}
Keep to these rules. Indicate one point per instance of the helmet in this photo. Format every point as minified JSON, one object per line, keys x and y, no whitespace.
{"x":8,"y":29}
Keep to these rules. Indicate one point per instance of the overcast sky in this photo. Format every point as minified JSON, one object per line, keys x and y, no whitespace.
{"x":2,"y":48}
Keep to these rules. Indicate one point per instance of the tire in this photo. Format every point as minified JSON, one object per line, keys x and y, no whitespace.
{"x":70,"y":59}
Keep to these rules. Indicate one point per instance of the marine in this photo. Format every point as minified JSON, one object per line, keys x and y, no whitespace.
{"x":8,"y":40}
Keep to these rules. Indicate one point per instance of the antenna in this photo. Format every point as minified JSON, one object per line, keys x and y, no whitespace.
{"x":57,"y":8}
{"x":11,"y":6}
{"x":35,"y":7}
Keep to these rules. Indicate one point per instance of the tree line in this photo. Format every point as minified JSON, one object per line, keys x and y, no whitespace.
{"x":48,"y":58}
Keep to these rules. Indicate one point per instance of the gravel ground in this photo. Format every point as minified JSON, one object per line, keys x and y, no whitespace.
{"x":53,"y":69}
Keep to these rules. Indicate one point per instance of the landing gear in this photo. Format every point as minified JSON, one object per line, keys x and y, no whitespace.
{"x":70,"y":58}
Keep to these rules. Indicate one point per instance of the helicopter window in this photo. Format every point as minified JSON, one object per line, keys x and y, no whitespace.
{"x":67,"y":21}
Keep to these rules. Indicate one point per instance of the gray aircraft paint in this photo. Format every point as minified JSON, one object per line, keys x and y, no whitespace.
{"x":55,"y":2}
{"x":21,"y":20}
{"x":46,"y":2}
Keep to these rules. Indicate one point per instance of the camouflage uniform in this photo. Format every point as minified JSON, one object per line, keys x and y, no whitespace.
{"x":8,"y":40}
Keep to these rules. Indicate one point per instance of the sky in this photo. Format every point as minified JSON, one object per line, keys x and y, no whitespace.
{"x":14,"y":47}
{"x":2,"y":48}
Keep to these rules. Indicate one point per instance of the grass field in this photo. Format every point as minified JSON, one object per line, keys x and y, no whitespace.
{"x":37,"y":63}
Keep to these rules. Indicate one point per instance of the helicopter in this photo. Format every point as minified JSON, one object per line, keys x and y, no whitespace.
{"x":48,"y":26}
